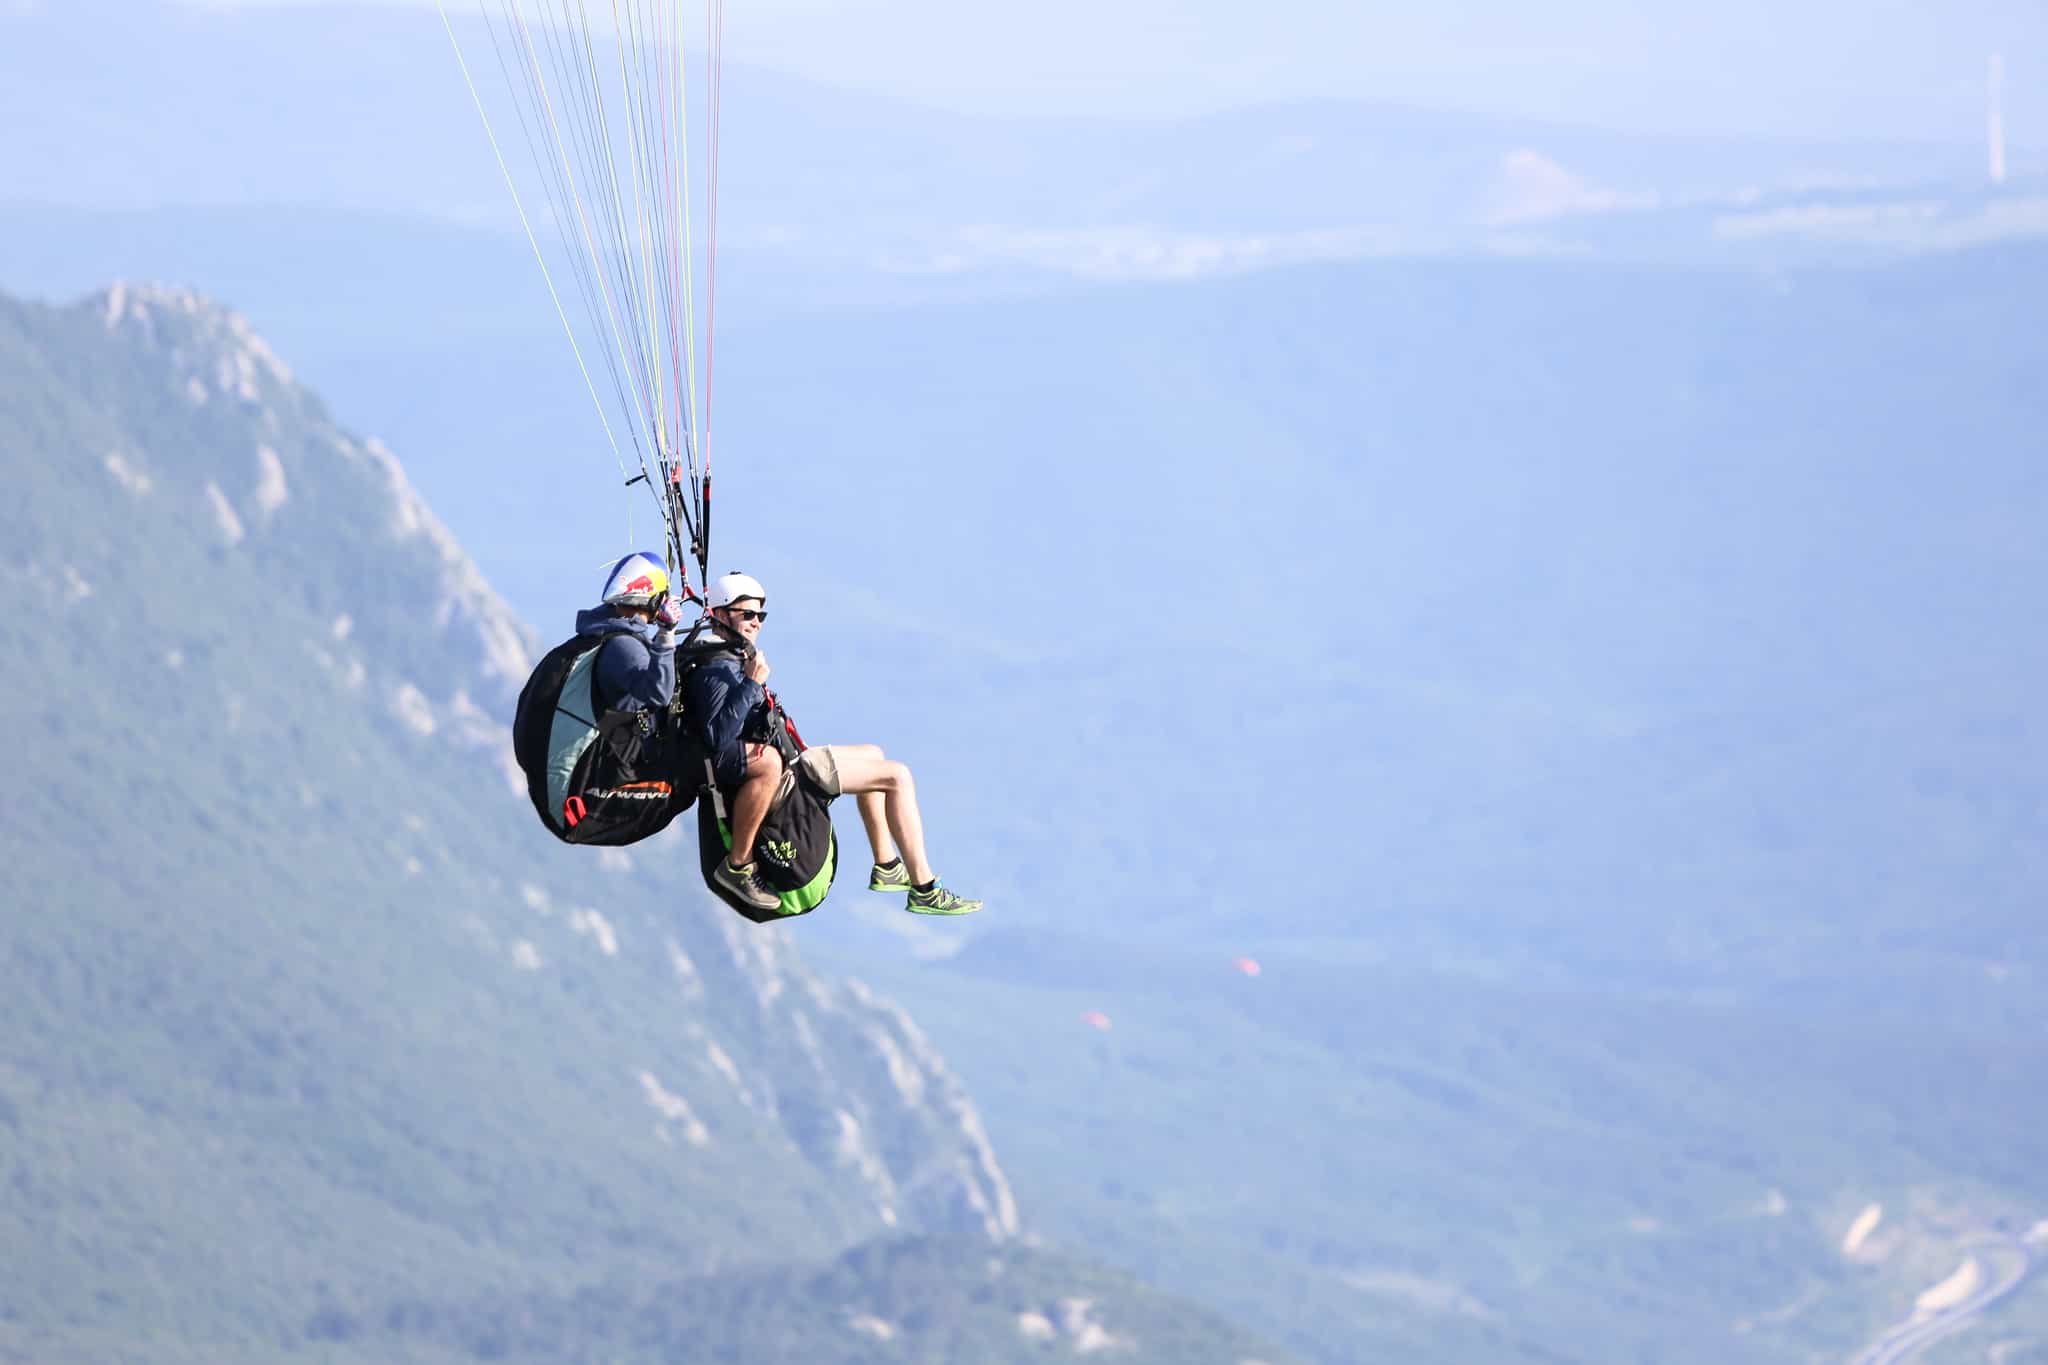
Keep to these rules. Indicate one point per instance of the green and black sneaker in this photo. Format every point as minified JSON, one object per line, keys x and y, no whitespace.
{"x":939,"y":901}
{"x":894,"y":878}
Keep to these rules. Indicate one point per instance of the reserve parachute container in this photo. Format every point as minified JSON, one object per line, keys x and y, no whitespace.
{"x":796,"y":854}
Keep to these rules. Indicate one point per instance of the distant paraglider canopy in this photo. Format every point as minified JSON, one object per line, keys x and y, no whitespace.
{"x":602,"y":104}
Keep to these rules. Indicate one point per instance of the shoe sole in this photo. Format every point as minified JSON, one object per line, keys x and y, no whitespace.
{"x":935,"y":910}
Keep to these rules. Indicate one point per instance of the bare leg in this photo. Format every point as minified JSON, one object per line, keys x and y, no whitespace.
{"x":876,"y":821}
{"x":863,"y":771}
{"x":750,"y":806}
{"x":873,"y":817}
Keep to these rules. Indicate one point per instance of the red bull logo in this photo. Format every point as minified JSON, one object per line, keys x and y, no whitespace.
{"x":638,"y":576}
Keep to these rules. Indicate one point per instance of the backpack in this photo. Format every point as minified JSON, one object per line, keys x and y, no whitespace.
{"x":598,"y":777}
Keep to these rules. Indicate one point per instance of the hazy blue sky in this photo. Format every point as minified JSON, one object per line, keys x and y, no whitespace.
{"x":1831,"y":67}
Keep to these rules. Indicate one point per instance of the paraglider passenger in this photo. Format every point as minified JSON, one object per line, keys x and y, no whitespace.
{"x":738,"y":724}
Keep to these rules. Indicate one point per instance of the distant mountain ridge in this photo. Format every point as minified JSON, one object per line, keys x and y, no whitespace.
{"x":277,"y":107}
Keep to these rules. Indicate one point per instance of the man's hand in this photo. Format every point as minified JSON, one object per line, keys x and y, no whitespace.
{"x":668,"y":613}
{"x":757,"y":667}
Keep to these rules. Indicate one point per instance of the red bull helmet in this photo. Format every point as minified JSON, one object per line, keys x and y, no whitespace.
{"x":638,"y":580}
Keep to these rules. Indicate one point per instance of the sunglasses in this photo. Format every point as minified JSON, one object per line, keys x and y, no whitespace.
{"x":748,"y":614}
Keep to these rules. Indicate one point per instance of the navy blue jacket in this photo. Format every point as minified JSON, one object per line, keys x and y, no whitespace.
{"x":636,"y":666}
{"x":726,"y":707}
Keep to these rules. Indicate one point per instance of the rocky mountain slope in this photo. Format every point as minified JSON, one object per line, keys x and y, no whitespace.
{"x":303,"y":1016}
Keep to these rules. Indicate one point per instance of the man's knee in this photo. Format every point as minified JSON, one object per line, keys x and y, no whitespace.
{"x":869,"y":772}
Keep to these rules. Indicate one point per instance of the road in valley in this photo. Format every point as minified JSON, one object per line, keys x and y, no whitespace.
{"x":2007,"y":1262}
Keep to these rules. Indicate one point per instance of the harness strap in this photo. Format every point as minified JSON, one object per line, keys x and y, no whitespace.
{"x":711,"y":788}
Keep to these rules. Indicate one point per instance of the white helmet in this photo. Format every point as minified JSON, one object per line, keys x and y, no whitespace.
{"x":737,"y":587}
{"x":638,"y":580}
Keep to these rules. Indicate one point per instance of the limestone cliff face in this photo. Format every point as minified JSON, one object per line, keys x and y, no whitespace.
{"x":232,"y":379}
{"x":332,"y":680}
{"x":857,"y":1087}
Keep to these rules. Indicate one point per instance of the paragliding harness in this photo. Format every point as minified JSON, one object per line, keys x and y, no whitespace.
{"x":597,"y":776}
{"x":796,"y":853}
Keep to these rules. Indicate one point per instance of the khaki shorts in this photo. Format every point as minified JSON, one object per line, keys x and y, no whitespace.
{"x":821,"y":761}
{"x":823,"y":766}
